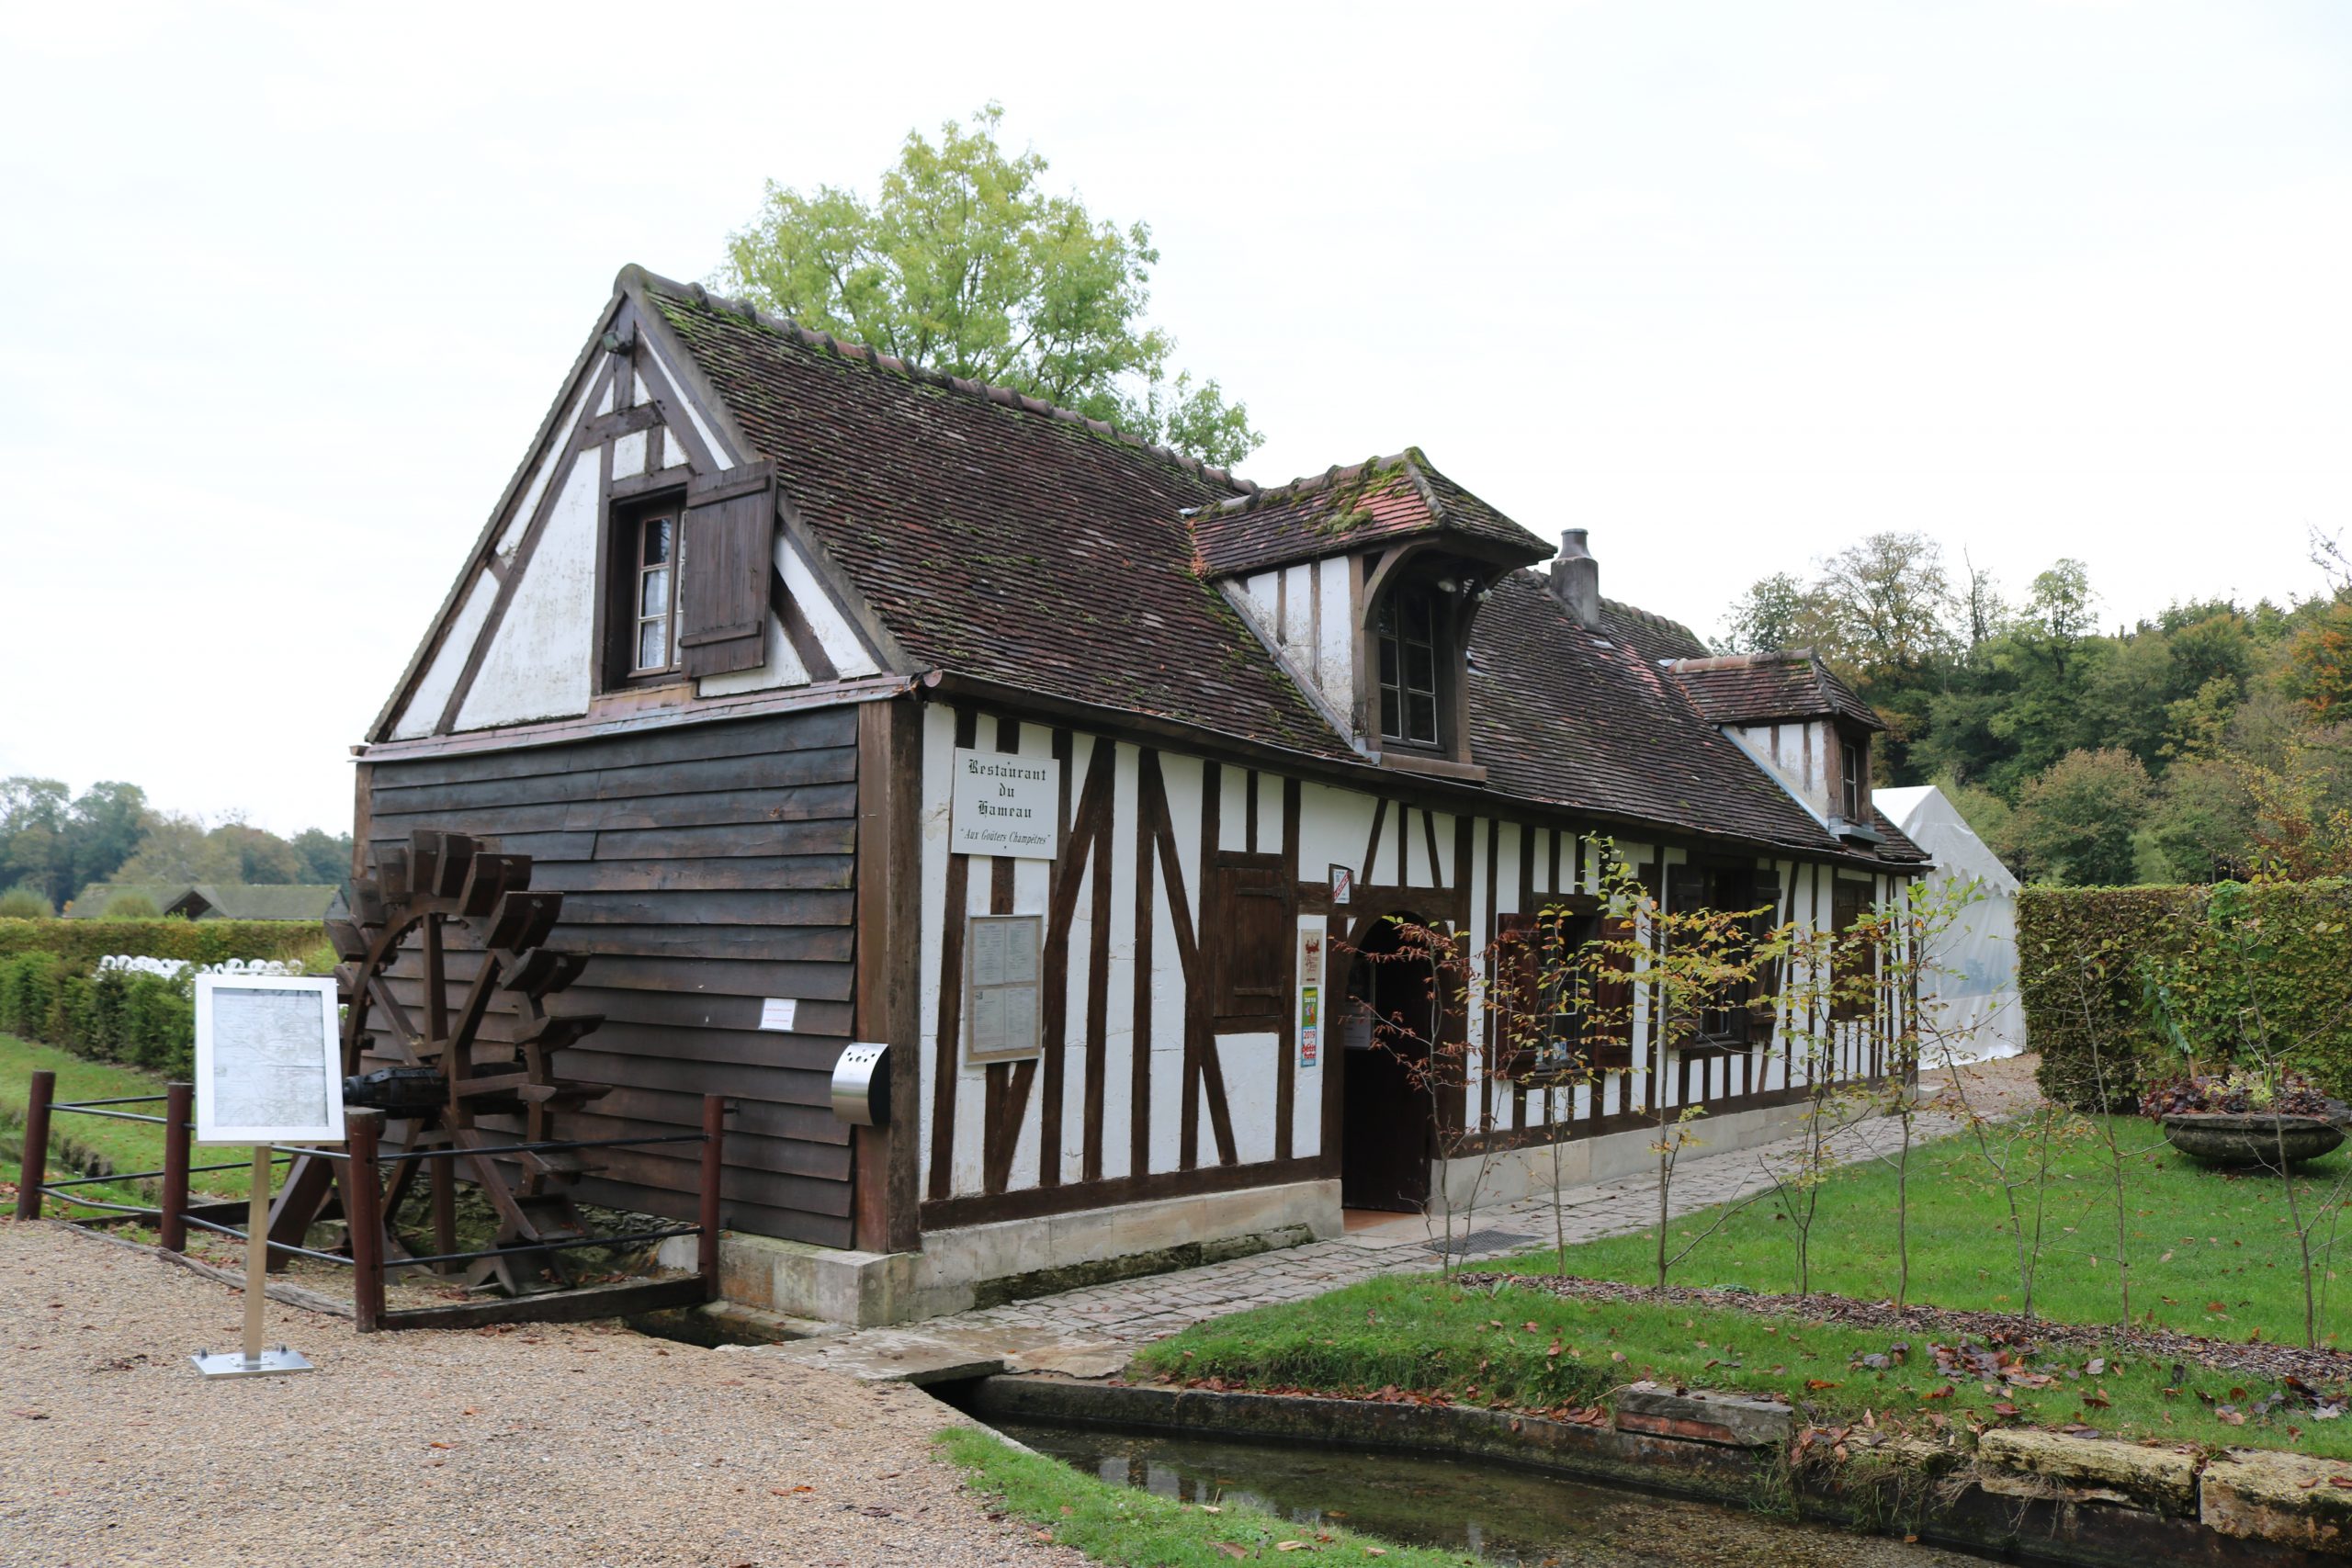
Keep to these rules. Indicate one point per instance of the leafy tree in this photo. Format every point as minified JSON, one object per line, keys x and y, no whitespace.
{"x":34,"y":845}
{"x":104,"y":826}
{"x":1769,"y":617}
{"x":1886,"y":603}
{"x":130,"y":906}
{"x":325,"y":857}
{"x":2058,"y":611}
{"x":2078,"y":821}
{"x":2318,"y":673}
{"x":965,"y":264}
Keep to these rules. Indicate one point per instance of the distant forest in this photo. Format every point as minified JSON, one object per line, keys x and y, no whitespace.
{"x":53,"y":843}
{"x":2211,"y":740}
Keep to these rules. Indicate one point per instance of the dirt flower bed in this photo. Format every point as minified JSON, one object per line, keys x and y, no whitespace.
{"x":2317,"y":1369}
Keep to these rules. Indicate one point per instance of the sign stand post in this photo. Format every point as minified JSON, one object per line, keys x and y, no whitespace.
{"x":267,"y":1071}
{"x":253,"y":1361}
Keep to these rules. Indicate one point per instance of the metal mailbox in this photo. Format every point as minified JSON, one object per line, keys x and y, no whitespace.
{"x":862,"y":1085}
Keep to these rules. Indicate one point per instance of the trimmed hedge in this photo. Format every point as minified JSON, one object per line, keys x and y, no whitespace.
{"x":81,"y":944}
{"x":2145,"y":972}
{"x":143,"y":1020}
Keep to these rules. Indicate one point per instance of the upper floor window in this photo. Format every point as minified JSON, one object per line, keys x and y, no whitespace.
{"x":1853,"y":780}
{"x":654,"y":648}
{"x":1409,"y":669}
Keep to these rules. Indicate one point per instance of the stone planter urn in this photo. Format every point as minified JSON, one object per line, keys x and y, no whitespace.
{"x":2249,"y":1140}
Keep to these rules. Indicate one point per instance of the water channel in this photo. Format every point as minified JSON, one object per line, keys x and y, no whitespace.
{"x":1511,"y":1517}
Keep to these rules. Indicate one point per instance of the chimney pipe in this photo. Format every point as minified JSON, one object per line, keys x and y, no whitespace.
{"x":1575,"y":580}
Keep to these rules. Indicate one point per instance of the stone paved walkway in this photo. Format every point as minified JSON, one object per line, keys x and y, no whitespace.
{"x":1097,"y":1327}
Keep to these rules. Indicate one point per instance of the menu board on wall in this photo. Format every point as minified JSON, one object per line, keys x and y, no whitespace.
{"x":1001,"y":986}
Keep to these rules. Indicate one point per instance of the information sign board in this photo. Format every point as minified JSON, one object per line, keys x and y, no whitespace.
{"x":268,"y":1062}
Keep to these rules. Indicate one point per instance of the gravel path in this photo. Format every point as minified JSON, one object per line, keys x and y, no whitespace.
{"x":575,"y":1446}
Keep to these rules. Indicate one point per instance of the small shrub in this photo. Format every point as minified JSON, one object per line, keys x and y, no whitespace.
{"x":130,"y":906}
{"x":26,"y":902}
{"x":27,"y":992}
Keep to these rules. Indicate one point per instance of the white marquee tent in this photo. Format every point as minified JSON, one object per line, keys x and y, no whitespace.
{"x":1975,"y":992}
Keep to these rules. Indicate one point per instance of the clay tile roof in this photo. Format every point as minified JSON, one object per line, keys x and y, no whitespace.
{"x":998,"y":538}
{"x":1346,"y":508}
{"x":995,"y":535}
{"x":1593,"y":719}
{"x":1757,"y":688}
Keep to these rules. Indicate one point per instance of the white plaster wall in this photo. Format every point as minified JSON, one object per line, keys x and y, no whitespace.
{"x":1299,"y":616}
{"x":424,"y":710}
{"x":938,"y":765}
{"x":628,"y":455}
{"x":1334,"y":825}
{"x":669,"y":373}
{"x":1335,"y":645}
{"x":1120,"y":978}
{"x":1183,"y":777}
{"x":826,"y":620}
{"x":538,"y":665}
{"x":1248,"y":1062}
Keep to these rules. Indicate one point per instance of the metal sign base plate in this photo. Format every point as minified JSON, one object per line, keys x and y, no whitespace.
{"x":232,"y":1363}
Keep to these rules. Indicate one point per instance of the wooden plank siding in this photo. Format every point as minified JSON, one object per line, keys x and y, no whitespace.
{"x":705,"y":868}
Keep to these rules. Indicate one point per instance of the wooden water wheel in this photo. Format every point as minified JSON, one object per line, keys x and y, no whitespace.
{"x":444,"y":982}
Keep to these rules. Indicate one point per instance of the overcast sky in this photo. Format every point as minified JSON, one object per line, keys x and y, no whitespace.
{"x":1729,"y":285}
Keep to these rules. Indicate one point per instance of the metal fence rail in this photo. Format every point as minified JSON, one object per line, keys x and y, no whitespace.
{"x":172,"y":1213}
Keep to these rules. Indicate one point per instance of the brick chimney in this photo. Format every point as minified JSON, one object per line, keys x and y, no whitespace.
{"x":1575,"y":580}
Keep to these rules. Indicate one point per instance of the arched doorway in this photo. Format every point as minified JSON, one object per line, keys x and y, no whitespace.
{"x":1387,"y":1129}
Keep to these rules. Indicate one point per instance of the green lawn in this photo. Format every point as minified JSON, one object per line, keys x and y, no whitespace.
{"x":1121,"y":1525}
{"x":1527,"y":1349}
{"x":129,"y":1145}
{"x":2211,"y":1253}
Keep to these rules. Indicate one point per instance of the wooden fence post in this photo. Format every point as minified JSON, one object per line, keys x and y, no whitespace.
{"x":35,"y":1169}
{"x":364,"y":1200}
{"x":714,"y":1146}
{"x":179,"y":1103}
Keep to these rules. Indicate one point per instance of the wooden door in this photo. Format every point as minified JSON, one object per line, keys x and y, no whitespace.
{"x":1388,"y":1130}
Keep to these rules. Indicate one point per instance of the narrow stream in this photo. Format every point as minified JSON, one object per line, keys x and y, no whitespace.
{"x":1511,"y":1517}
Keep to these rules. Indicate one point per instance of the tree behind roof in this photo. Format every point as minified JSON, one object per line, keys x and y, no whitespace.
{"x":964,"y":263}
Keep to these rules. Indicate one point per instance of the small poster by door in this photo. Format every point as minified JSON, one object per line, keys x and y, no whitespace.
{"x":1311,"y":938}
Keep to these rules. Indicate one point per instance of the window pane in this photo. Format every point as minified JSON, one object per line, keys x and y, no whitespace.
{"x":652,"y":645}
{"x":1420,"y":668}
{"x":653,"y":598}
{"x":1422,"y":709}
{"x":1417,"y":616}
{"x":1387,"y":662}
{"x":1388,"y":711}
{"x":657,"y":541}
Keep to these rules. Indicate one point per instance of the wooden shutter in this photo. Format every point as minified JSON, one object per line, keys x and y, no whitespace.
{"x":1686,"y":891}
{"x":1852,"y":959}
{"x":1763,"y":997}
{"x":1612,"y":996}
{"x":725,"y":554}
{"x":1250,"y":929}
{"x":1518,"y":961}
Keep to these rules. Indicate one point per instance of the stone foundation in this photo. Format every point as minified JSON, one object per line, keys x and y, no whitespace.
{"x":1013,"y":1259}
{"x":1524,"y":1173}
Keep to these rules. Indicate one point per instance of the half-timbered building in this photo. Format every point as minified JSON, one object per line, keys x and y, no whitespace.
{"x":845,"y":699}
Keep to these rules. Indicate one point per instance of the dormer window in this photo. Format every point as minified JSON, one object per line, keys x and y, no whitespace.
{"x":1409,"y":667}
{"x":1853,"y":777}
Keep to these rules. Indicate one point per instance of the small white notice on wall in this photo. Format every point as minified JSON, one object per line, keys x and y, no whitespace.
{"x":777,"y":1013}
{"x":269,"y":1065}
{"x":1005,"y":804}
